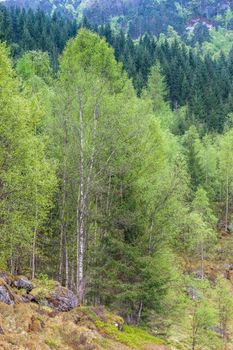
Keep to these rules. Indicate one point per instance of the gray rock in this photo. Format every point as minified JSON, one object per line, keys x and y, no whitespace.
{"x":5,"y":296}
{"x":24,"y":283}
{"x":219,"y":331}
{"x":62,"y":299}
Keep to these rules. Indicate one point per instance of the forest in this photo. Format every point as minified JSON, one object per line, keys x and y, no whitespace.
{"x":116,"y":177}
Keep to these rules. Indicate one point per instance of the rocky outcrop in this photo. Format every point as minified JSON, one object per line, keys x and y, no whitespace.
{"x":62,"y":299}
{"x":24,"y":283}
{"x":5,"y":296}
{"x":52,"y":295}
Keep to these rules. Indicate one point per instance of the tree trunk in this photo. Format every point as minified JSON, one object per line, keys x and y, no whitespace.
{"x":61,"y":256}
{"x":34,"y":245}
{"x":62,"y":226}
{"x":72,"y":278}
{"x":139,"y":313}
{"x":34,"y":253}
{"x":202,"y":261}
{"x":150,"y":238}
{"x":227,"y":203}
{"x":84,"y":196}
{"x":67,"y":263}
{"x":80,"y":214}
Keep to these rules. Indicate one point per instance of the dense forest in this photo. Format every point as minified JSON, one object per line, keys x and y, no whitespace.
{"x":193,"y":77}
{"x":139,"y":16}
{"x":116,"y":177}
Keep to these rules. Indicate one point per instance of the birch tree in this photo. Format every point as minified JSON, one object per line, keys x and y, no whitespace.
{"x":89,"y":74}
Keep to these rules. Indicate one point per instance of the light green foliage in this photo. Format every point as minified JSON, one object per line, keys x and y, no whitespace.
{"x":224,"y":305}
{"x":200,"y":317}
{"x":27,"y":177}
{"x":156,"y":91}
{"x":134,"y":337}
{"x":221,"y":41}
{"x":137,"y":177}
{"x":200,"y":236}
{"x":228,"y":18}
{"x":43,"y":287}
{"x":225,"y":171}
{"x":207,"y":158}
{"x":201,"y":206}
{"x":35,"y":63}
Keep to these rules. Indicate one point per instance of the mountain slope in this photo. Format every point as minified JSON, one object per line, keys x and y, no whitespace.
{"x":138,"y":16}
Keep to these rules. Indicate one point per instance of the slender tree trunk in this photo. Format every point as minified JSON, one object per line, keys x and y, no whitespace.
{"x":202,"y":261}
{"x":139,"y":312}
{"x":150,"y":238}
{"x":34,"y":247}
{"x":34,"y":254}
{"x":227,"y":203}
{"x":72,"y":274}
{"x":67,"y":263}
{"x":108,"y":195}
{"x":34,"y":240}
{"x":80,"y":214}
{"x":80,"y":253}
{"x":63,"y":202}
{"x":84,"y":194}
{"x":108,"y":202}
{"x":61,"y":256}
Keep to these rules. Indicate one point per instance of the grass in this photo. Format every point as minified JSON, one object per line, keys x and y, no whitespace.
{"x":52,"y":343}
{"x":134,"y":337}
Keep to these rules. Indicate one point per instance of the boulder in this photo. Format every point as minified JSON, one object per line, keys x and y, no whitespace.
{"x":51,"y":294}
{"x":24,"y":283}
{"x":5,"y":296}
{"x":62,"y":299}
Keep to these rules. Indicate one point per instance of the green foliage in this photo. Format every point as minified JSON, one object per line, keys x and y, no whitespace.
{"x":118,"y":186}
{"x":28,"y":177}
{"x":220,"y":41}
{"x":25,"y":30}
{"x":131,"y":336}
{"x":35,"y":63}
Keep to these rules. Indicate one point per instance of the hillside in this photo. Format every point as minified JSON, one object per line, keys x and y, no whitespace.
{"x":138,"y":16}
{"x":41,"y":324}
{"x":116,"y":179}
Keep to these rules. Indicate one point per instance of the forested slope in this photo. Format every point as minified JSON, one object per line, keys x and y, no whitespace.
{"x":195,"y":78}
{"x":140,"y":16}
{"x":120,"y":189}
